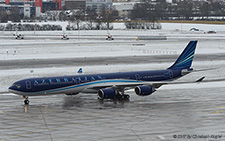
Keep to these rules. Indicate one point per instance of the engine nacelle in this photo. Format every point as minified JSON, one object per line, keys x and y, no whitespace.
{"x":106,"y":93}
{"x":144,"y":90}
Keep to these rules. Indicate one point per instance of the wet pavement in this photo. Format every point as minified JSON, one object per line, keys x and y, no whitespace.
{"x":188,"y":113}
{"x":175,"y":114}
{"x":64,"y":62}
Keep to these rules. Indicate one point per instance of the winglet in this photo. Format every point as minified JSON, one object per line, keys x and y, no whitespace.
{"x":200,"y":80}
{"x":184,"y":61}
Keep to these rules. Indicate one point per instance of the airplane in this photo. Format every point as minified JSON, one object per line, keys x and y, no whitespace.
{"x":108,"y":85}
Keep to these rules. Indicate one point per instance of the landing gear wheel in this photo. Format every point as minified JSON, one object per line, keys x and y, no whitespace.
{"x":125,"y":97}
{"x":118,"y":97}
{"x":26,"y":102}
{"x":122,"y":97}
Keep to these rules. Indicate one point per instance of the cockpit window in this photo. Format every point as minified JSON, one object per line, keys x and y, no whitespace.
{"x":17,"y":86}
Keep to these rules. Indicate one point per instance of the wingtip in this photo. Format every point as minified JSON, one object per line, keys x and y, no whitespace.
{"x":201,"y":79}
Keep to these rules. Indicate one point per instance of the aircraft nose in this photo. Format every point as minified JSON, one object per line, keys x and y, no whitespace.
{"x":11,"y":88}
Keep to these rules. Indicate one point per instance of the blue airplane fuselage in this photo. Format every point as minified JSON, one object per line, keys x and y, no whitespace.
{"x":76,"y":83}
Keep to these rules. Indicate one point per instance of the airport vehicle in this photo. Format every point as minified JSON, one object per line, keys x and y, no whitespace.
{"x":109,"y":37}
{"x":64,"y":37}
{"x":18,"y":36}
{"x":108,"y":85}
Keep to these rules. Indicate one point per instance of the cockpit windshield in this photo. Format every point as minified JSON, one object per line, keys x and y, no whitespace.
{"x":17,"y":85}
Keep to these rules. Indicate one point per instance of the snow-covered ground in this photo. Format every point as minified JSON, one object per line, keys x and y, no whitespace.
{"x":93,"y":44}
{"x":46,"y":48}
{"x":165,"y":26}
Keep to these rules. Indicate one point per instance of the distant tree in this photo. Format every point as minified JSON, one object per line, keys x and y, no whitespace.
{"x":15,"y":16}
{"x":77,"y":17}
{"x":161,"y":9}
{"x":62,"y":16}
{"x":144,"y":11}
{"x":185,"y":9}
{"x":138,"y":12}
{"x":216,"y":9}
{"x":170,"y":11}
{"x":204,"y":9}
{"x":108,"y":15}
{"x":91,"y":15}
{"x":3,"y":16}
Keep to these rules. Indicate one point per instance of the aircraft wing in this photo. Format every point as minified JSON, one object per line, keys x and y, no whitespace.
{"x":129,"y":84}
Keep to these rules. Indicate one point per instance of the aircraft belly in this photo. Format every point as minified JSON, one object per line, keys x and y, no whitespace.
{"x":89,"y":91}
{"x":71,"y":89}
{"x":66,"y":90}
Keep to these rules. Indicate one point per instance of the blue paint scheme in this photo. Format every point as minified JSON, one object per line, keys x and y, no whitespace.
{"x":107,"y":93}
{"x":80,"y":71}
{"x":144,"y":90}
{"x":78,"y":83}
{"x":185,"y":59}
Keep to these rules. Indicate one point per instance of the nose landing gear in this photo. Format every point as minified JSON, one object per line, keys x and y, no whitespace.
{"x":26,"y":101}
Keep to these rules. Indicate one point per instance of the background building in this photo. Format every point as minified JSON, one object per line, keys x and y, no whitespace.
{"x":124,"y":8}
{"x":98,"y":4}
{"x":75,"y":4}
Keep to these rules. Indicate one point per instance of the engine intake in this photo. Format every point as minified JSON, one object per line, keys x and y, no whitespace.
{"x":107,"y":93}
{"x":144,"y":90}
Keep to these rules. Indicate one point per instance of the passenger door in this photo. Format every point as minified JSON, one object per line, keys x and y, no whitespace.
{"x":137,"y":76}
{"x":28,"y":85}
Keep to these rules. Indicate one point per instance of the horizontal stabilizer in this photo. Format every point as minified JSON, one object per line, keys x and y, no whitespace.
{"x":197,"y":70}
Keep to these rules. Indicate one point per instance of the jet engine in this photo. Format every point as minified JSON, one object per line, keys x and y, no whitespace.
{"x":144,"y":90}
{"x":107,"y":93}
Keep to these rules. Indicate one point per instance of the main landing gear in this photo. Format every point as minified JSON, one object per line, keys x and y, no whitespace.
{"x":26,"y":101}
{"x":122,"y":97}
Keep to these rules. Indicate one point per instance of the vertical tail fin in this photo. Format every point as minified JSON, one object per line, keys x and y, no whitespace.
{"x":185,"y":59}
